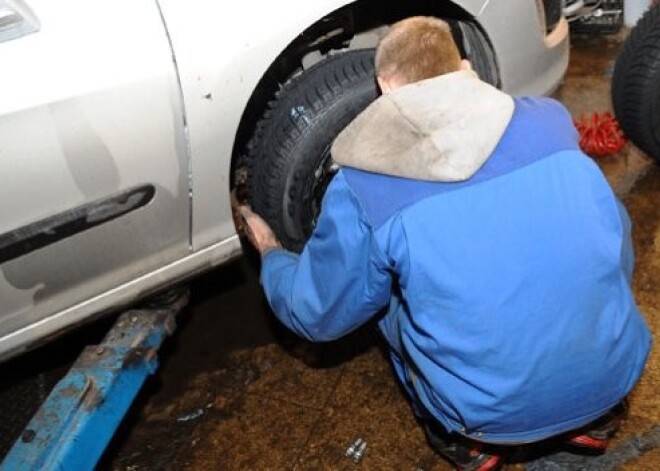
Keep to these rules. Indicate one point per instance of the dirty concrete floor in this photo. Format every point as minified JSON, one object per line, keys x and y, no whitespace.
{"x":237,"y":392}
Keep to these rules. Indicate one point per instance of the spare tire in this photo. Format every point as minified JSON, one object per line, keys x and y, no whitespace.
{"x":636,"y":84}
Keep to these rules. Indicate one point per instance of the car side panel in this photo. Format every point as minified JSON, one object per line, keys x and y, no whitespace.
{"x":89,"y":108}
{"x":222,"y":53}
{"x":530,"y":62}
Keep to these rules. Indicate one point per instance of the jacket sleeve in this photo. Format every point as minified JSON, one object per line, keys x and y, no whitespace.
{"x":341,"y":278}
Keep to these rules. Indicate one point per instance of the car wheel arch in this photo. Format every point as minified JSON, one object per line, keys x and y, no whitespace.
{"x":322,"y":44}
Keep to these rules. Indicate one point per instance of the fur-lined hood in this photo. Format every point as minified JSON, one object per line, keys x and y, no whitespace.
{"x":441,"y":129}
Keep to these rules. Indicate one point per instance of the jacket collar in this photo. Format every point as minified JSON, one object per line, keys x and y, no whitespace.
{"x":441,"y":129}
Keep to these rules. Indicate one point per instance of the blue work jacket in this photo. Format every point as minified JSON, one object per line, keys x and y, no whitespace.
{"x":506,"y":298}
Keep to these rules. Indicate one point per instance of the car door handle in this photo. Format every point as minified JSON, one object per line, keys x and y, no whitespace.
{"x":16,"y":20}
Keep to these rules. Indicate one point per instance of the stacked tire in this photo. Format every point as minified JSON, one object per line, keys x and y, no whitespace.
{"x":636,"y":84}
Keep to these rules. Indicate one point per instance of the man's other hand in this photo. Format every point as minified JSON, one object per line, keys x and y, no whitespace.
{"x":258,"y":231}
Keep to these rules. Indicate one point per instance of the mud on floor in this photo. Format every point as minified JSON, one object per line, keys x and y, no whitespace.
{"x":293,"y":405}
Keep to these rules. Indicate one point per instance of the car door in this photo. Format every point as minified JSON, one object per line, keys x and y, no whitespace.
{"x":94,"y":187}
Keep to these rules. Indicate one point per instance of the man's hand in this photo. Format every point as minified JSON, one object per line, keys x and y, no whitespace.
{"x":258,"y":231}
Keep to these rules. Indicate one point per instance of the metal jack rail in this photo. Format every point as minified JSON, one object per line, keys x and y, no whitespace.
{"x":76,"y":422}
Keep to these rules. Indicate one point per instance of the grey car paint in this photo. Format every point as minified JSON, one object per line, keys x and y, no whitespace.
{"x":103,"y":96}
{"x":77,"y":147}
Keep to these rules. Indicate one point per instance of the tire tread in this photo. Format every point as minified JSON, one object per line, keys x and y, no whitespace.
{"x":319,"y":90}
{"x":636,"y":83}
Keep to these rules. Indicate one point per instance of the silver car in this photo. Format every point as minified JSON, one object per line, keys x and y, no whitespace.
{"x":125,"y":125}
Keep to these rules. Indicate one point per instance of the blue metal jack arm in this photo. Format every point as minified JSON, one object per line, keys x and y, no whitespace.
{"x":76,"y":422}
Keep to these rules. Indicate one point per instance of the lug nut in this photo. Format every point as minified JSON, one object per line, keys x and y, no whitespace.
{"x":356,"y":450}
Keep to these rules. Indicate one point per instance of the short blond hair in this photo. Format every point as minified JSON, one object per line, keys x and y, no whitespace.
{"x":417,"y":48}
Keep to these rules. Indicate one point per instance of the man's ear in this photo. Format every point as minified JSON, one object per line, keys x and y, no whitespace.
{"x":384,"y":84}
{"x":466,"y":65}
{"x":388,"y":83}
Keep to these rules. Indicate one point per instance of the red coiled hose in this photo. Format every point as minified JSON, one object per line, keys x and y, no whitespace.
{"x":600,"y":135}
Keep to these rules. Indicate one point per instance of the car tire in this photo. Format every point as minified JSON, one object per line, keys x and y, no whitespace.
{"x":289,"y":164}
{"x":636,"y":84}
{"x":288,"y":159}
{"x":474,"y":46}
